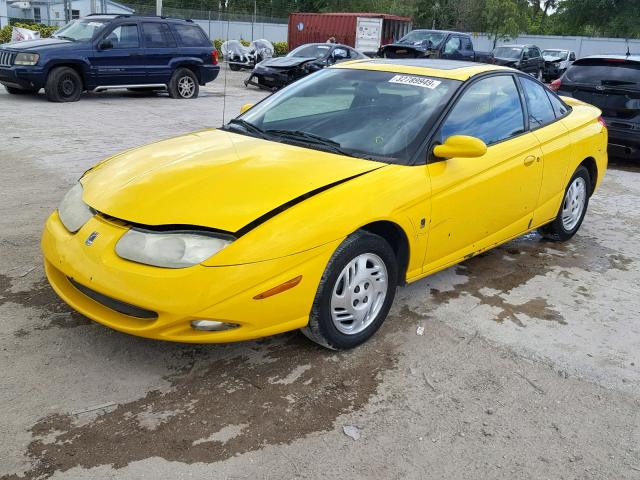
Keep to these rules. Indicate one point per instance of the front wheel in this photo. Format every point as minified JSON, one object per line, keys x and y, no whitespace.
{"x":355,"y":293}
{"x":572,"y":210}
{"x":63,"y":85}
{"x":183,"y":84}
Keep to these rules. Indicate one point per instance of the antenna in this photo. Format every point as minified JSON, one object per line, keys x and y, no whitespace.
{"x":226,"y":69}
{"x":628,"y":51}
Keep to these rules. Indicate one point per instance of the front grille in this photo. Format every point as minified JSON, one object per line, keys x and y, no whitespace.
{"x":113,"y":304}
{"x":6,"y":58}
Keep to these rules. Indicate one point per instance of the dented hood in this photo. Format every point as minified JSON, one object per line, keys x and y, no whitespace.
{"x":212,"y":179}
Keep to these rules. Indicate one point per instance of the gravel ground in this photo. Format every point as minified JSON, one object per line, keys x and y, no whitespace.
{"x":528,"y":367}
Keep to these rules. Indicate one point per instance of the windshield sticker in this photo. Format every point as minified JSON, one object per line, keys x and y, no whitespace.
{"x":417,"y":81}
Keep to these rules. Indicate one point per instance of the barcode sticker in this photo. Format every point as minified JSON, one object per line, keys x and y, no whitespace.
{"x":417,"y":81}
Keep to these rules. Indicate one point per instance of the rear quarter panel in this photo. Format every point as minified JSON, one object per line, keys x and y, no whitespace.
{"x":588,"y":136}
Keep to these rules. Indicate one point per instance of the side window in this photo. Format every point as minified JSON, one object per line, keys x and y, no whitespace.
{"x":191,"y":36}
{"x":559,"y":108}
{"x":452,"y":45}
{"x":466,"y":44}
{"x":490,"y":110}
{"x":124,"y":36}
{"x":158,"y":35}
{"x":538,"y":103}
{"x":536,"y":52}
{"x":340,"y":53}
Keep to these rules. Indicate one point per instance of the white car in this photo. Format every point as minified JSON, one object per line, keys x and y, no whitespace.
{"x":556,"y":62}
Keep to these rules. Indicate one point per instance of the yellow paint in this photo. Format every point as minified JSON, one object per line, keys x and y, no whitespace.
{"x":448,"y":210}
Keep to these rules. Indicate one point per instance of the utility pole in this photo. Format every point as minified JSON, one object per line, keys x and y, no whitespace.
{"x":159,"y":8}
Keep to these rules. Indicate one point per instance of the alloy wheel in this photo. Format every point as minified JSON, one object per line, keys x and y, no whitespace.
{"x":359,"y":293}
{"x":186,"y":87}
{"x":573,"y":204}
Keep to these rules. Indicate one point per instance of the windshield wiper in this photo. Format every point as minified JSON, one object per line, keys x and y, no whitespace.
{"x":248,"y":126}
{"x":64,"y":37}
{"x":313,"y":139}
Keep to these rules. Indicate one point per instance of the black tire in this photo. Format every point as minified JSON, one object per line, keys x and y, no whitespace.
{"x":234,"y":68}
{"x":63,"y":85}
{"x":178,"y":89}
{"x":556,"y":230}
{"x":20,"y":91}
{"x":321,"y":328}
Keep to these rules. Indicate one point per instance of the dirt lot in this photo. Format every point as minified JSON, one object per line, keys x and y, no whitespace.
{"x":529,"y":366}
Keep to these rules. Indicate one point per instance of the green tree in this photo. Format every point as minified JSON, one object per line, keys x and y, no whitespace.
{"x":504,"y":19}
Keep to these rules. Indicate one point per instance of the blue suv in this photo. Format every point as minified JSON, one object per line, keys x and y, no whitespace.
{"x":102,"y":52}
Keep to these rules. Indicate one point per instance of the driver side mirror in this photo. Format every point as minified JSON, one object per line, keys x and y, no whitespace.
{"x":245,"y":107}
{"x":462,"y":146}
{"x":105,"y":44}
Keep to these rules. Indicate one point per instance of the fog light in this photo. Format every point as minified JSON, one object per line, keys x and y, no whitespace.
{"x":212,"y":325}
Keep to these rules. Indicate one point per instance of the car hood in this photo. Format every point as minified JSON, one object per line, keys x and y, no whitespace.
{"x":212,"y":179}
{"x":505,"y":61}
{"x":284,"y":62}
{"x":40,"y":44}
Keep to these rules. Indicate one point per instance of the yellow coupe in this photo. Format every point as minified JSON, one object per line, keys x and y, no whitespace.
{"x":310,"y":208}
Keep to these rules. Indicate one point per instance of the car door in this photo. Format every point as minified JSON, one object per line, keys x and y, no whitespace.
{"x":118,"y":57}
{"x":525,"y":62}
{"x":545,"y":110}
{"x":480,"y":202}
{"x":159,"y":49}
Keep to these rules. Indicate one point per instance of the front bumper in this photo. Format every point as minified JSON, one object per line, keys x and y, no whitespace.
{"x":26,"y":78}
{"x":269,"y":79}
{"x":175,"y":297}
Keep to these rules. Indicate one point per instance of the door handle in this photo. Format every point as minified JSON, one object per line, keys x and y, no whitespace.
{"x":530,"y":159}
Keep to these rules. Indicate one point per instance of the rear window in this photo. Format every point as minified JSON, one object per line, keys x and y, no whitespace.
{"x":605,"y":72}
{"x":191,"y":36}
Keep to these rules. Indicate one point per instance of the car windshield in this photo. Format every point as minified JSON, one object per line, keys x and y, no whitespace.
{"x":381,"y":116}
{"x":79,"y":30}
{"x":418,"y":37}
{"x":562,"y":55}
{"x":607,"y":71}
{"x":310,"y":51}
{"x":507,"y":52}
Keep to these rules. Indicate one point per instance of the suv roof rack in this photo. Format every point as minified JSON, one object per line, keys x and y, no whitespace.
{"x":129,"y":15}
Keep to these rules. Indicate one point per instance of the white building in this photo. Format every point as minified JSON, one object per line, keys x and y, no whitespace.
{"x":51,"y":12}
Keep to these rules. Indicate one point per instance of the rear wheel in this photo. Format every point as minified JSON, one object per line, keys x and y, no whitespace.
{"x":183,"y":84}
{"x":234,"y":67}
{"x":572,"y":210}
{"x":20,"y":91}
{"x":355,"y":293}
{"x":63,"y":85}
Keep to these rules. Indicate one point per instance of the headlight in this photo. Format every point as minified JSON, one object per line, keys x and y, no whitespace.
{"x":26,"y":59}
{"x":169,"y":249}
{"x":73,"y":212}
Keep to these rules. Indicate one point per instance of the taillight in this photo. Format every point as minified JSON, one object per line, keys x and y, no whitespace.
{"x":214,"y":57}
{"x":555,"y":85}
{"x":602,"y":122}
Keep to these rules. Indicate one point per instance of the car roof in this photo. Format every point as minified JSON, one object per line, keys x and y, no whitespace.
{"x":438,"y":31}
{"x":633,"y":58}
{"x":452,"y":69}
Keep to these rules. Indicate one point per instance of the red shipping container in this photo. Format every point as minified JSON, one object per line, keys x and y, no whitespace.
{"x":365,"y":32}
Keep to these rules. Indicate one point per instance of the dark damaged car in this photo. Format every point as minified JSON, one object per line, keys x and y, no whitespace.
{"x":275,"y":73}
{"x":435,"y":44}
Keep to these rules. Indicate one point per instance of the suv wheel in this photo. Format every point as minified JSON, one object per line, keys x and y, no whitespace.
{"x":63,"y":85}
{"x":20,"y":91}
{"x":183,"y":84}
